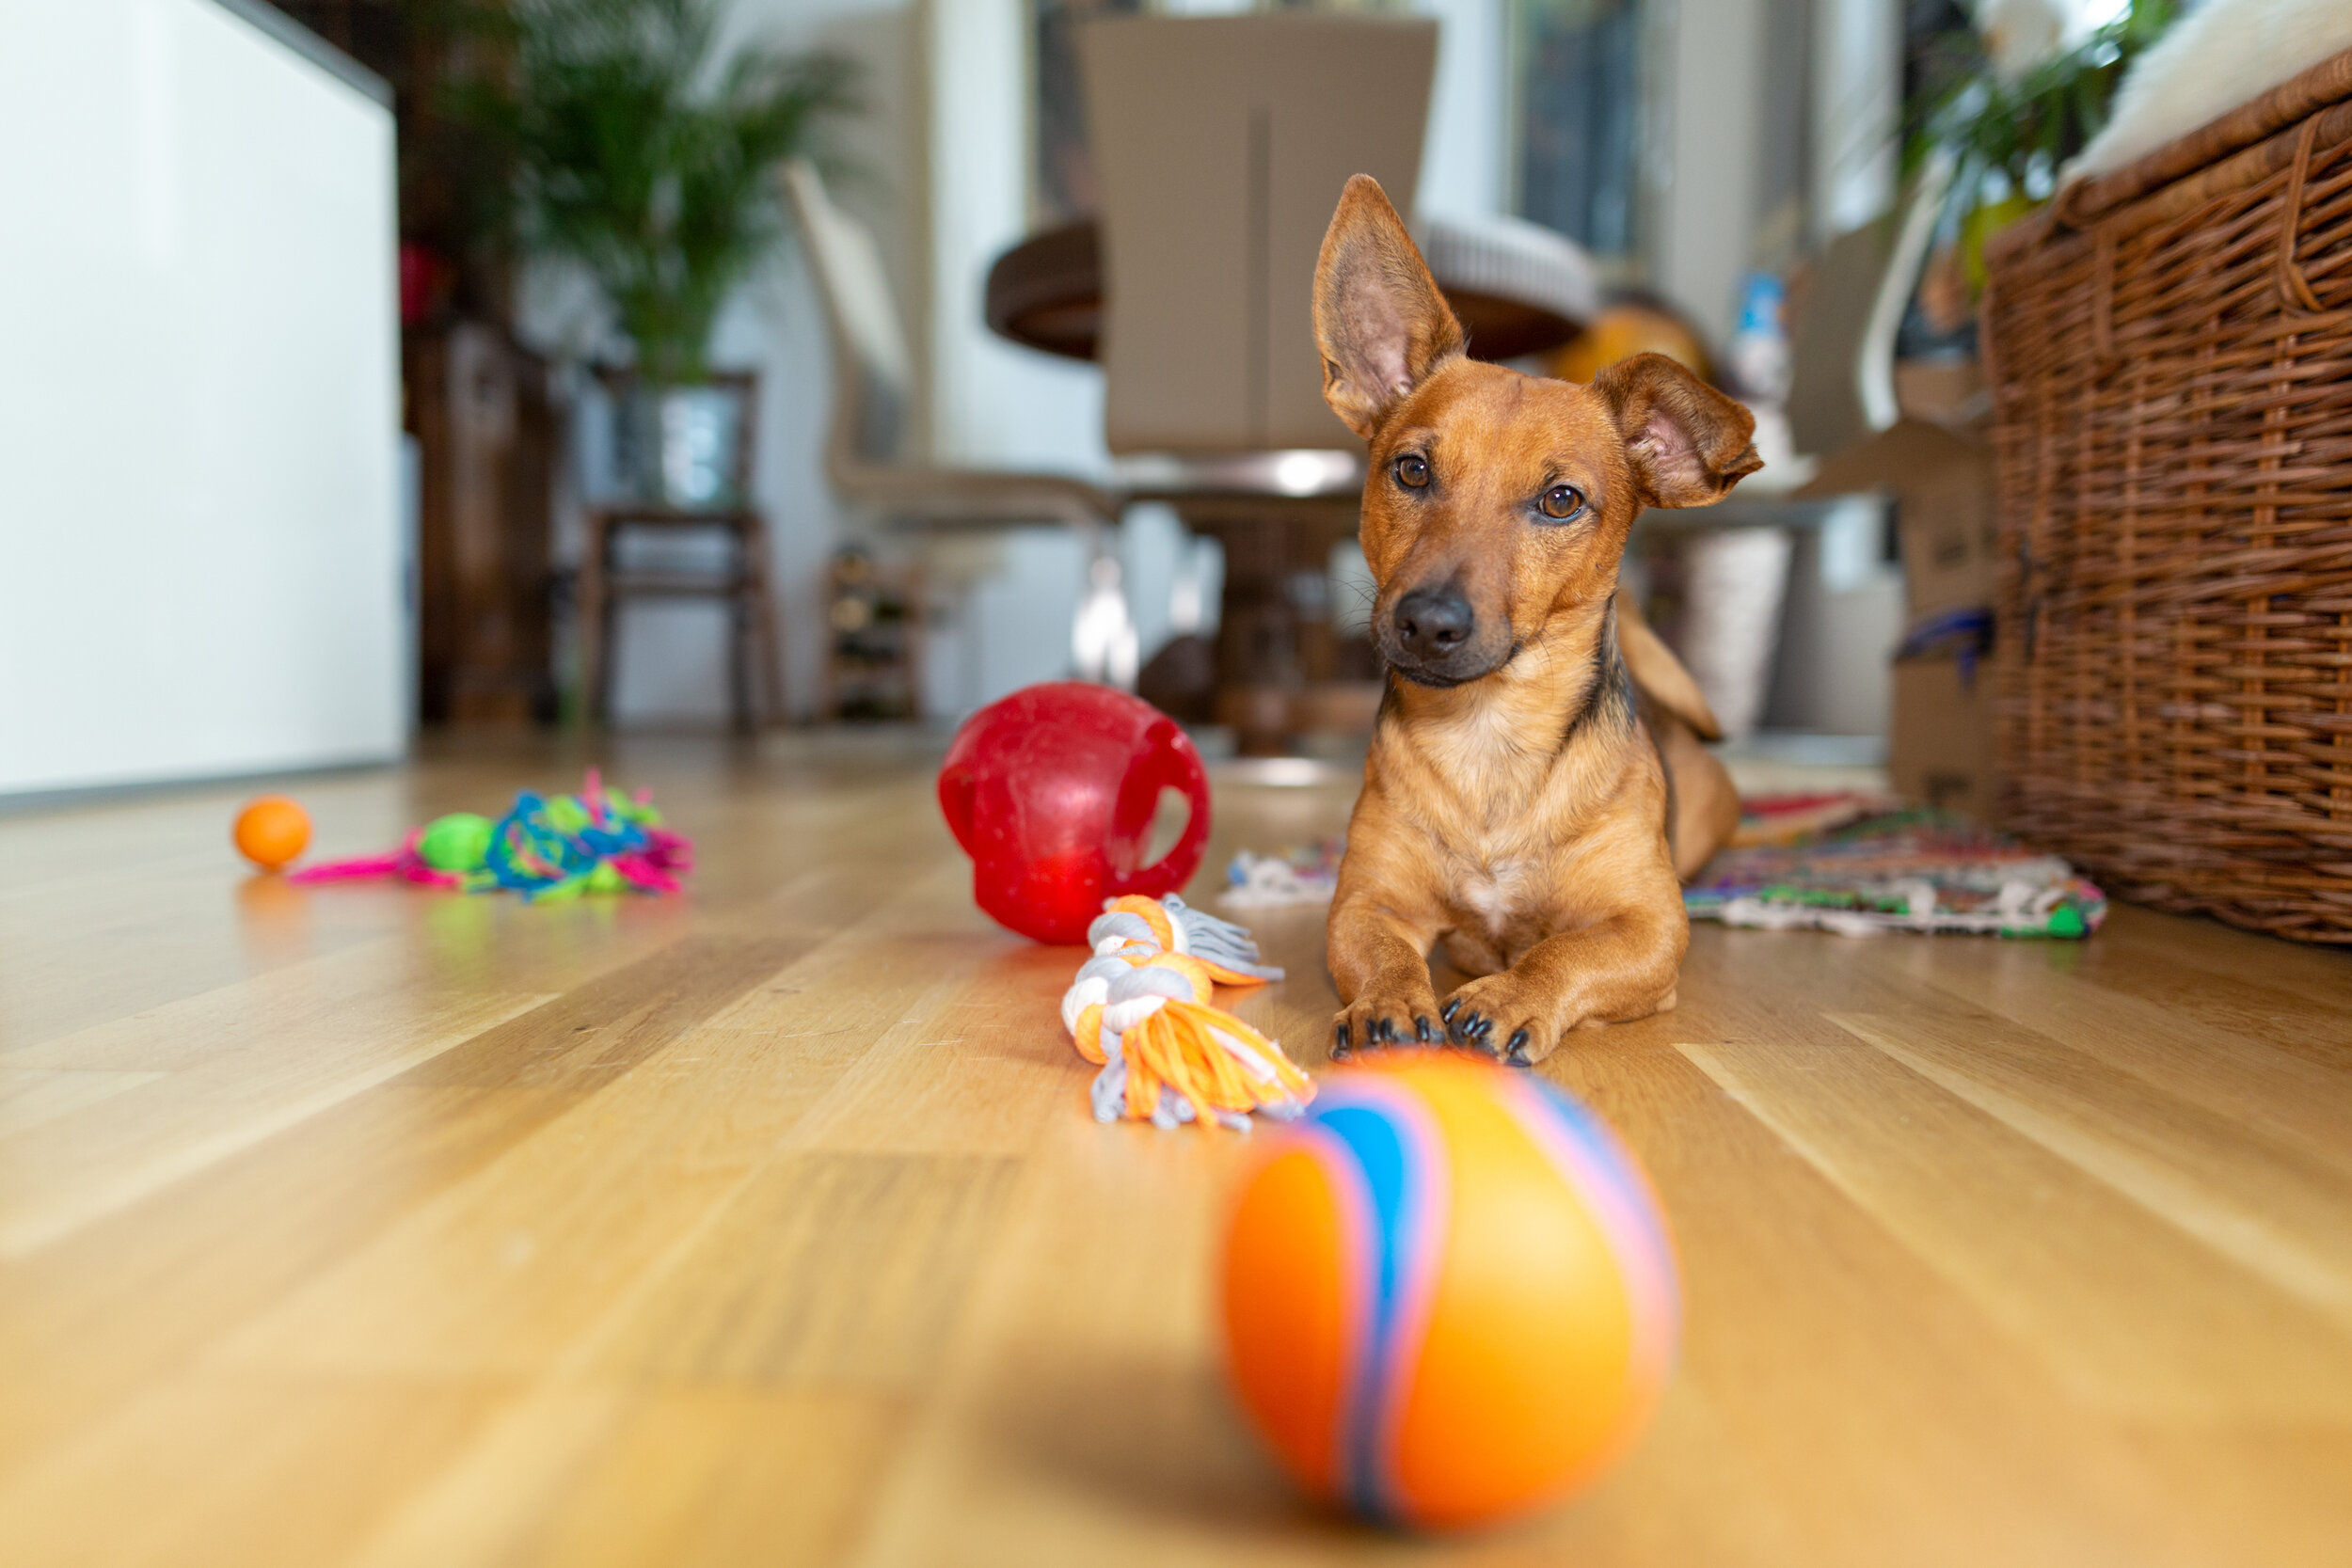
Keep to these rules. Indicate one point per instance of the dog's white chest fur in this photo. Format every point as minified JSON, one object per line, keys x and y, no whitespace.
{"x":1494,"y":891}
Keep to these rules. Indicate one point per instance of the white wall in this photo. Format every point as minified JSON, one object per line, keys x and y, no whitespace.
{"x":1704,"y":174}
{"x":1466,"y":166}
{"x":992,"y":403}
{"x":1857,"y":111}
{"x":1705,"y":214}
{"x":199,"y":402}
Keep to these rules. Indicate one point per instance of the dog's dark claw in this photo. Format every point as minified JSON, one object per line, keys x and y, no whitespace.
{"x":1376,"y":1032}
{"x":1421,"y":1028}
{"x":1343,"y":1041}
{"x":1480,"y":1029}
{"x":1516,"y":1053}
{"x":1452,"y":1006}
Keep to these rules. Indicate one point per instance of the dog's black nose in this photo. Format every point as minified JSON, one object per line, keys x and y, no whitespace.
{"x":1431,"y":622}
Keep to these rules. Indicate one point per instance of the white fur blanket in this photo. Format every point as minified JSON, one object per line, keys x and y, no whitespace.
{"x":2213,"y":59}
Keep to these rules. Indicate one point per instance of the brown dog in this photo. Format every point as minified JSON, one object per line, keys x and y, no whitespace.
{"x":1518,"y":805}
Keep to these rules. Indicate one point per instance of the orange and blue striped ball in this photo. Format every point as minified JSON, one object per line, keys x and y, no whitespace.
{"x":1450,"y":1296}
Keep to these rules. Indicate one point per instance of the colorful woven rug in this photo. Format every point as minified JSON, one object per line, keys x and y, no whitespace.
{"x":1903,"y":870}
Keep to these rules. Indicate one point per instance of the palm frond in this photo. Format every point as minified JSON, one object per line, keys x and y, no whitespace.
{"x":641,"y":154}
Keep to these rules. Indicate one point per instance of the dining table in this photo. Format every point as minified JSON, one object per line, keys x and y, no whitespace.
{"x":1518,"y":289}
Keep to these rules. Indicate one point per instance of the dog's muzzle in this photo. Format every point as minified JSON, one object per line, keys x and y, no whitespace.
{"x":1432,"y":637}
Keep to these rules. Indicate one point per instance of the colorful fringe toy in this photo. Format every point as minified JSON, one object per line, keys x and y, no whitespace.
{"x":598,"y":841}
{"x":1140,"y":1010}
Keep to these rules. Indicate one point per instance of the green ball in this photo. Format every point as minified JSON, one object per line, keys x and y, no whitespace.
{"x":458,"y":842}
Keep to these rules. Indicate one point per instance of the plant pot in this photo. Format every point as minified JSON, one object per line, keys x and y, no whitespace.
{"x":682,"y":445}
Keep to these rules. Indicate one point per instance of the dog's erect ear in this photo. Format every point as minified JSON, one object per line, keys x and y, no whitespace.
{"x":1689,"y":443}
{"x":1379,"y":319}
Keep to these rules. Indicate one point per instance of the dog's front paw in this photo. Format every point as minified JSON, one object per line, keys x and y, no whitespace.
{"x":1505,"y":1017}
{"x":1383,"y":1016}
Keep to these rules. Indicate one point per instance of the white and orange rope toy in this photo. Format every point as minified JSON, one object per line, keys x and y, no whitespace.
{"x":1140,"y":1010}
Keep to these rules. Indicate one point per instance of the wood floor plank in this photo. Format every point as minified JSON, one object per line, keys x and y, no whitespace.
{"x":134,"y":1298}
{"x":505,"y":1488}
{"x":2056,"y":1257}
{"x":831,"y":1270}
{"x":1080,"y":1418}
{"x":31,"y":1096}
{"x":978,"y":1070}
{"x":503,"y":1274}
{"x":2316,"y":1030}
{"x":78,"y":1318}
{"x":2264,"y":1205}
{"x":770,"y":1224}
{"x":271,"y":1012}
{"x":719,"y":1478}
{"x":239,"y":1071}
{"x":1969,"y":1447}
{"x":257,"y":1472}
{"x":2289,"y":972}
{"x":2248,"y":1075}
{"x":593,"y":1034}
{"x":668,"y":1478}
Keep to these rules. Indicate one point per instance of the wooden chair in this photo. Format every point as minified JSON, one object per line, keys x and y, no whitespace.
{"x":870,"y":459}
{"x":756,"y":664}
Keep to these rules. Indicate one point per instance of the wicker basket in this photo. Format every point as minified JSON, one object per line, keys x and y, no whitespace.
{"x":2171,"y":348}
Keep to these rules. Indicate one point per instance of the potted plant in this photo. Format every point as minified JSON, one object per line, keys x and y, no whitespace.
{"x":2004,"y":109}
{"x":633,"y":148}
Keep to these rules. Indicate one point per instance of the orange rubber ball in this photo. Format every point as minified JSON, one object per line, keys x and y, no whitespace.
{"x":1450,"y":1296}
{"x":272,"y":830}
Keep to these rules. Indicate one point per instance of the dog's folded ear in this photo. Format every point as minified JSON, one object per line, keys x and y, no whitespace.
{"x":1687,"y":442}
{"x":1379,"y":319}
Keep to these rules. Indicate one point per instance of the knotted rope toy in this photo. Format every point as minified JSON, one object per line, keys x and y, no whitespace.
{"x":598,"y":841}
{"x":1141,"y":1010}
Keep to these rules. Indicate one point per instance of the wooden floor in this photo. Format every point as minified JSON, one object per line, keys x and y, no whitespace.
{"x":767,"y":1225}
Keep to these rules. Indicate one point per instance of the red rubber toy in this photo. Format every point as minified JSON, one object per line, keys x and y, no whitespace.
{"x":1052,"y":791}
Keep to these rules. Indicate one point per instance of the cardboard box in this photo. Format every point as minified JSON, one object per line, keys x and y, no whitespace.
{"x":1940,"y":485}
{"x":1939,"y":748}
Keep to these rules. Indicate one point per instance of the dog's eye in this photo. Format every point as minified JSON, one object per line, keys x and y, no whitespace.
{"x":1412,"y":472}
{"x":1561,"y":500}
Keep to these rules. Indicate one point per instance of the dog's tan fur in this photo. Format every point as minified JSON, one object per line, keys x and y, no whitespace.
{"x":1517,"y":798}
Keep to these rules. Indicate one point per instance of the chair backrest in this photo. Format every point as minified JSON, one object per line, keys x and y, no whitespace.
{"x":872,"y":369}
{"x":1825,"y":407}
{"x":1842,"y":363}
{"x":1222,"y":145}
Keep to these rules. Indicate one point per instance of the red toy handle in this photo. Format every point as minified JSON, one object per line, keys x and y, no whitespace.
{"x":956,"y":789}
{"x":1170,"y":761}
